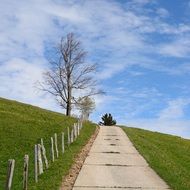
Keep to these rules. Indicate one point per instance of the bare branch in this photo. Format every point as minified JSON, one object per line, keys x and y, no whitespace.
{"x":70,"y":72}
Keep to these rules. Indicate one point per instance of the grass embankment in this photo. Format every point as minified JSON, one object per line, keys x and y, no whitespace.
{"x":168,"y":155}
{"x":21,"y":127}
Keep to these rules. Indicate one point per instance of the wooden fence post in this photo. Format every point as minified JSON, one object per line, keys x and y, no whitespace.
{"x":40,"y":163}
{"x":75,"y":131}
{"x":52,"y":150}
{"x":68,"y":135}
{"x":78,"y":124}
{"x":81,"y":124}
{"x":71,"y":135}
{"x":10,"y":171}
{"x":56,"y":148}
{"x":78,"y":129}
{"x":36,"y":163}
{"x":63,"y":143}
{"x":25,"y":172}
{"x":44,"y":154}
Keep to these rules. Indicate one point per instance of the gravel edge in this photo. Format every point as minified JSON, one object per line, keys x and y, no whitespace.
{"x":69,"y":180}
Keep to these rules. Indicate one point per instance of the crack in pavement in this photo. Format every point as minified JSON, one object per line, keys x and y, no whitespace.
{"x":122,"y":187}
{"x":120,"y":165}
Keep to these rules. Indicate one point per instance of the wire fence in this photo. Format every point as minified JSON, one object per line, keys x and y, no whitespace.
{"x":42,"y":163}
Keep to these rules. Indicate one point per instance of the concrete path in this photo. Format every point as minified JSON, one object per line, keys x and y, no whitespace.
{"x":114,"y":163}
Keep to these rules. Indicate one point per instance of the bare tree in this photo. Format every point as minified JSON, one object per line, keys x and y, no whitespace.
{"x":85,"y":106}
{"x":70,"y":77}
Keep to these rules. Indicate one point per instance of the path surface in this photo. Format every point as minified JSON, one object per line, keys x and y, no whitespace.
{"x":114,"y":163}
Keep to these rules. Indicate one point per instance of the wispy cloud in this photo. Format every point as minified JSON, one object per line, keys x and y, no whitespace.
{"x":162,"y":12}
{"x":170,"y":119}
{"x":174,"y":109}
{"x":179,"y":47}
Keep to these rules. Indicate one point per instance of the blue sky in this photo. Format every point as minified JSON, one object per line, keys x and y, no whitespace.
{"x":142,"y":48}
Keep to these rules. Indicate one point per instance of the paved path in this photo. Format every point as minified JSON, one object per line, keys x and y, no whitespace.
{"x":114,"y":163}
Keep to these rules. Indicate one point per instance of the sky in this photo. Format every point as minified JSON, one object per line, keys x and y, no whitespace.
{"x":142,"y":48}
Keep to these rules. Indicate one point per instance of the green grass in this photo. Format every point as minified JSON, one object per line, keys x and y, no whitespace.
{"x":168,"y":155}
{"x":21,"y":127}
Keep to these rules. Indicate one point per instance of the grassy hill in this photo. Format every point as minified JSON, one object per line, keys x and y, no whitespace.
{"x":21,"y":127}
{"x":168,"y":155}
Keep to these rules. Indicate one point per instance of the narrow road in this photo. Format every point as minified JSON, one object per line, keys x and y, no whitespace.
{"x":114,"y":163}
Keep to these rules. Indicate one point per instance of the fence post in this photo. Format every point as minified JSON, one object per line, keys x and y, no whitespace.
{"x":68,"y":134}
{"x":78,"y":129}
{"x":44,"y":154}
{"x":63,"y":145}
{"x":36,"y":163}
{"x":56,"y":148}
{"x":52,"y":150}
{"x":40,"y":163}
{"x":75,"y":131}
{"x":71,"y":135}
{"x":78,"y":124}
{"x":25,"y":172}
{"x":81,"y":124}
{"x":10,"y":171}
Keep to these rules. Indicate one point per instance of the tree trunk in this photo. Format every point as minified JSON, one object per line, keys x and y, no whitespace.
{"x":68,"y":109}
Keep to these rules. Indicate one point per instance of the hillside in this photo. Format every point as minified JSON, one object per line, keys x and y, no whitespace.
{"x":168,"y":155}
{"x":21,"y":127}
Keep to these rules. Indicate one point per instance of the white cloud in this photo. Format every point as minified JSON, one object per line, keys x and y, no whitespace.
{"x":170,"y":120}
{"x":175,"y":109}
{"x":110,"y":70}
{"x":162,"y":12}
{"x":143,"y":2}
{"x":18,"y":79}
{"x":102,"y":25}
{"x":24,"y":29}
{"x":178,"y":48}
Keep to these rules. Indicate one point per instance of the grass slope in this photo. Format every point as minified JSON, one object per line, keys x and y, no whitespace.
{"x":21,"y":127}
{"x":168,"y":155}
